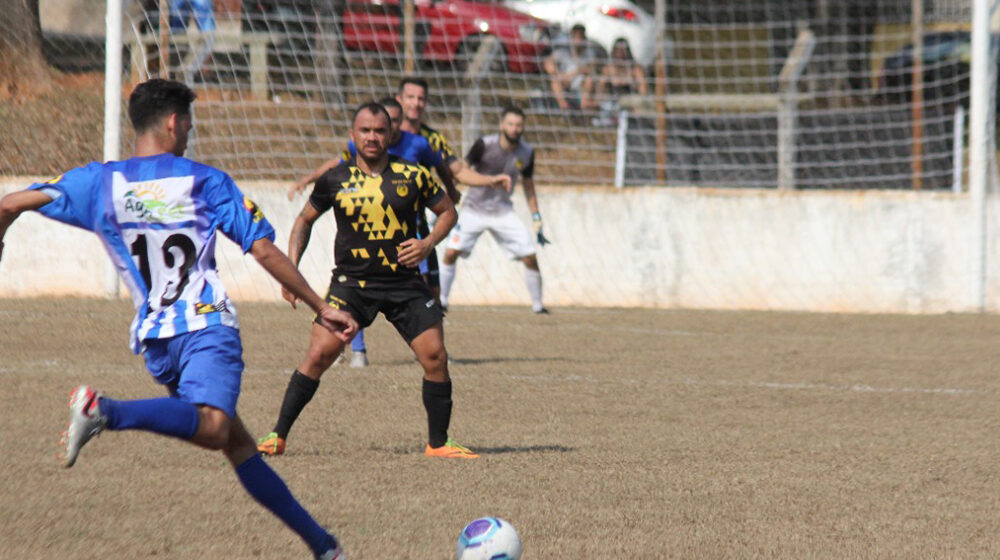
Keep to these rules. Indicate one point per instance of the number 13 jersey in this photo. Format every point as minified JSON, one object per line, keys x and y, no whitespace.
{"x":157,"y":217}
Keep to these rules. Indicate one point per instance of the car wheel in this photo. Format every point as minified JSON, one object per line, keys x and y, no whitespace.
{"x":466,"y":52}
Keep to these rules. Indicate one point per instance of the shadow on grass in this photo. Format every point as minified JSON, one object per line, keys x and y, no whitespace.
{"x":400,"y":450}
{"x":524,"y":449}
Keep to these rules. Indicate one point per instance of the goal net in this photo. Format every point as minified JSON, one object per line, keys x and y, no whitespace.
{"x":820,"y":96}
{"x":765,"y":94}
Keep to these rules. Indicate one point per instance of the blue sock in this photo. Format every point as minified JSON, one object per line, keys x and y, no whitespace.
{"x":358,"y":342}
{"x":267,"y":488}
{"x":165,"y":416}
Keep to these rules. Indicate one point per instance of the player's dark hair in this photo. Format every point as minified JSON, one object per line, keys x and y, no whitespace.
{"x":372,"y":107}
{"x":578,"y":27}
{"x":154,"y":99}
{"x":512,"y":110}
{"x":390,"y":102}
{"x":415,"y":81}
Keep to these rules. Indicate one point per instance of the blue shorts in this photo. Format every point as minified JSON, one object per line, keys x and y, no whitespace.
{"x":200,"y":367}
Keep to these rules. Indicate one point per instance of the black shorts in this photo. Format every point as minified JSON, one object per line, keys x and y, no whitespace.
{"x":409,"y":306}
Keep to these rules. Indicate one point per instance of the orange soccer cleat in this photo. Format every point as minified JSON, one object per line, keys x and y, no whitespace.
{"x":450,"y":450}
{"x":271,"y":445}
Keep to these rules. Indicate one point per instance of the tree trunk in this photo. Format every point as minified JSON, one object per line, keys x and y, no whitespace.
{"x":23,"y":70}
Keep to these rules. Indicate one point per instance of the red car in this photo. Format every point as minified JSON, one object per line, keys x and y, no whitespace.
{"x":448,"y":31}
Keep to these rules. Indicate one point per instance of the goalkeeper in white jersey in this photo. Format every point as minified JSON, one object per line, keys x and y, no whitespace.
{"x":490,"y":208}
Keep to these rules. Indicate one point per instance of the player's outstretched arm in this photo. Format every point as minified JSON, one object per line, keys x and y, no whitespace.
{"x":285,"y":272}
{"x":15,"y":204}
{"x":469,"y":176}
{"x":300,"y":185}
{"x":413,"y":251}
{"x":448,"y":180}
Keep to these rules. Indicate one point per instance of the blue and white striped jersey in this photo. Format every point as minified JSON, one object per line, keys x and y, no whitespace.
{"x":157,"y":217}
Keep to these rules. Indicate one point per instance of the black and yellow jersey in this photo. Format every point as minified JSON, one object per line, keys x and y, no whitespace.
{"x":438,"y":143}
{"x":374,"y":216}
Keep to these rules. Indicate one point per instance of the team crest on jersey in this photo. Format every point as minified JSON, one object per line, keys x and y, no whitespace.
{"x":252,"y":207}
{"x":402,"y":190}
{"x":519,"y":164}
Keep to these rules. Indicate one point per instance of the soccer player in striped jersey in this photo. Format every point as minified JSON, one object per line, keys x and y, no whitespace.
{"x":157,"y":214}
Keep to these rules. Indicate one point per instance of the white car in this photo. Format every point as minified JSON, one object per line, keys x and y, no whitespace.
{"x":606,"y":21}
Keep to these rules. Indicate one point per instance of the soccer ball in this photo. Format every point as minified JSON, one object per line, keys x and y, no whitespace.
{"x":489,"y":538}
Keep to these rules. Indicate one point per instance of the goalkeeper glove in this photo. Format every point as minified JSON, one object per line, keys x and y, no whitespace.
{"x":536,"y":221}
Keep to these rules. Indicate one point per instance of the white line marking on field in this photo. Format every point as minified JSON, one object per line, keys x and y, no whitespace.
{"x":759,"y":384}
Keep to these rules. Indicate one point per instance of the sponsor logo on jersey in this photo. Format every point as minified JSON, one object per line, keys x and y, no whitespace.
{"x":429,"y":304}
{"x":206,"y":308}
{"x":164,"y":200}
{"x":146,"y":202}
{"x":55,"y":180}
{"x":252,"y":207}
{"x":519,"y":164}
{"x":402,"y":190}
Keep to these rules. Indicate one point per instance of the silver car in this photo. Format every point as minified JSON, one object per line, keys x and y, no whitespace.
{"x":605,"y":20}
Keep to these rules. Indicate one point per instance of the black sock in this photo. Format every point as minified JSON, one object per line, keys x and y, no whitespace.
{"x":437,"y":402}
{"x":300,"y":391}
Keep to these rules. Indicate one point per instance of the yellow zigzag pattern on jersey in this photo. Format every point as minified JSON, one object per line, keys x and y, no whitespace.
{"x":362,"y":196}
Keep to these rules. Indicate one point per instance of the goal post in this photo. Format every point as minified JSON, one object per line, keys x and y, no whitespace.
{"x":112,"y":110}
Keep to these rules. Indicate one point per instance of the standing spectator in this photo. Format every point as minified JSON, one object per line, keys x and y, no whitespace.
{"x":200,"y":47}
{"x":571,"y":69}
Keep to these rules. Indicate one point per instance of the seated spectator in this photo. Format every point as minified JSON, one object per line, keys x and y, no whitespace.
{"x":622,"y":75}
{"x":571,"y":70}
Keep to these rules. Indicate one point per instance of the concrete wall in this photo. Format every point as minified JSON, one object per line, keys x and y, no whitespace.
{"x":84,"y":17}
{"x":864,"y":251}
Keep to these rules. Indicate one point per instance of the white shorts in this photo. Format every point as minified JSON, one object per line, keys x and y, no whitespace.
{"x":507,"y":229}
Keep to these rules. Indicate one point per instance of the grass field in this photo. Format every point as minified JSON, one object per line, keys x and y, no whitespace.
{"x":605,"y":433}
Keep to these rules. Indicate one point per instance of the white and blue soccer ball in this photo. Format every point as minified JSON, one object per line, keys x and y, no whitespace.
{"x":489,"y":538}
